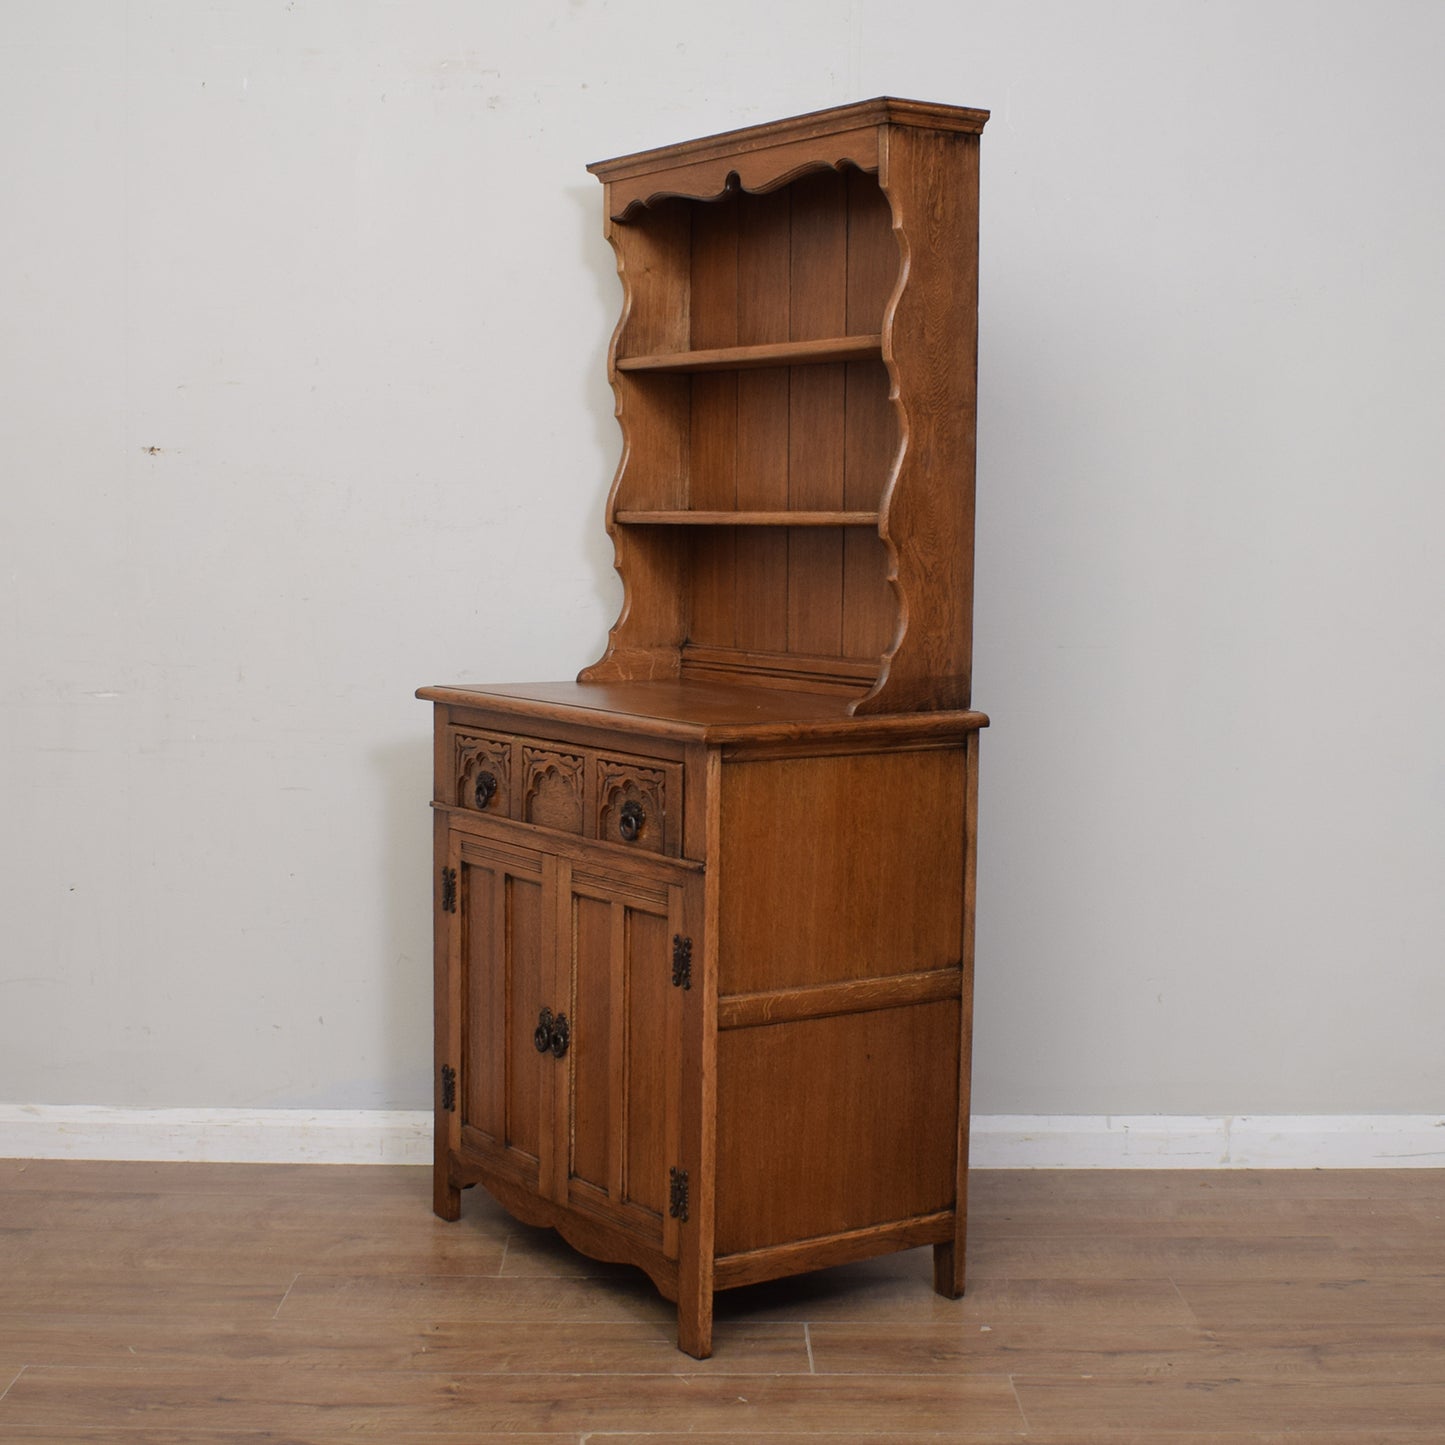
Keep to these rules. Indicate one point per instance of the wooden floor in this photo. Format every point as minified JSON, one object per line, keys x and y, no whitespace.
{"x":193,"y":1304}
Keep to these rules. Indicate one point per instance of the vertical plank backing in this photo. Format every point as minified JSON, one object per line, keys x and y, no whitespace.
{"x":714,"y":439}
{"x":871,"y":431}
{"x":764,"y":308}
{"x":818,"y":256}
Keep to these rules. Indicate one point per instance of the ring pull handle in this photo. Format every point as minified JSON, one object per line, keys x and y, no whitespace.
{"x":486,"y":788}
{"x":630,"y":819}
{"x":542,"y":1034}
{"x":561,"y":1036}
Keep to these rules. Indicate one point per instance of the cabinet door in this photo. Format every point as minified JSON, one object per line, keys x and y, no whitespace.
{"x":502,"y":945}
{"x":619,"y":1119}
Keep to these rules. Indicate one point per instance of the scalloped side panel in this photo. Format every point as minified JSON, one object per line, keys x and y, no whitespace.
{"x":643,"y":641}
{"x":930,"y":350}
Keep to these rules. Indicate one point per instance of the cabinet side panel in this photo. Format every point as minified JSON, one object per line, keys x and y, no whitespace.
{"x":840,"y":868}
{"x":835,"y":1124}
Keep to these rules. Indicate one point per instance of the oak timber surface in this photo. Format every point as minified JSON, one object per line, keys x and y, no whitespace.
{"x":701,"y":710}
{"x":167,"y":1304}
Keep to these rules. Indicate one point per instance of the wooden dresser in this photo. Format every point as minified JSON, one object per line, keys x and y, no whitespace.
{"x":704,"y":917}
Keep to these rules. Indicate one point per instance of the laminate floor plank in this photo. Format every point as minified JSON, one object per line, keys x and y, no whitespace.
{"x":145,"y":1435}
{"x":1072,"y":1436}
{"x":1225,"y":1304}
{"x":248,"y":1254}
{"x":959,"y":1435}
{"x":133,"y":1296}
{"x":1124,"y":1255}
{"x":475,"y":1299}
{"x":1351,"y":1410}
{"x":373,"y":1343}
{"x":394,"y":1404}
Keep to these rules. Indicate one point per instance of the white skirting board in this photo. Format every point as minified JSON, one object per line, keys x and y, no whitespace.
{"x":998,"y":1141}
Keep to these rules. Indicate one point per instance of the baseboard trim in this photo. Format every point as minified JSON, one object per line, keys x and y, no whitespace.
{"x":1187,"y":1141}
{"x":998,"y":1141}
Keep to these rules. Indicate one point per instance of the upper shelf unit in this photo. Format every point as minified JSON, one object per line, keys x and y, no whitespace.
{"x":794,"y":375}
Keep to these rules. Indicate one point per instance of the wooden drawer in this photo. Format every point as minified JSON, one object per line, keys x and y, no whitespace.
{"x":638,"y":802}
{"x":482,"y":769}
{"x":608,"y":794}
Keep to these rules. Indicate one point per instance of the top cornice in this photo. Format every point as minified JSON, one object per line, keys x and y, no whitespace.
{"x":816,"y":125}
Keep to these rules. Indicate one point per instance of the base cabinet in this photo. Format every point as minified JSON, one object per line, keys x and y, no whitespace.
{"x":741,"y":1062}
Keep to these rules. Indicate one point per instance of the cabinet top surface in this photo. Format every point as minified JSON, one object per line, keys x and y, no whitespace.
{"x":705,"y":712}
{"x":815,"y":125}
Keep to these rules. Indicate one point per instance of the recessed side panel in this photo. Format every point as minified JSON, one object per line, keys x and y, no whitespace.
{"x":840,"y":868}
{"x":828,"y":1125}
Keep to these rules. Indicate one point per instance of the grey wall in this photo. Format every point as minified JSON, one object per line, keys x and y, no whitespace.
{"x":302,"y":338}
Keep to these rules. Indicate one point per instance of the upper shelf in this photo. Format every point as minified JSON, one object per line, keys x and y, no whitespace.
{"x":773,"y":353}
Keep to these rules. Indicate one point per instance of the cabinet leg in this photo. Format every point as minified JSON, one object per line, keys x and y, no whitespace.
{"x":694,"y":1326}
{"x":948,"y":1263}
{"x":446,"y":1198}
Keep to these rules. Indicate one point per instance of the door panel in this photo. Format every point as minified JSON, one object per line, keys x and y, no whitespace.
{"x":626,"y":1040}
{"x":501,"y":938}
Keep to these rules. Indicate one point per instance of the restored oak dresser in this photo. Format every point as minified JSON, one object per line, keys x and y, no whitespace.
{"x":704,"y":916}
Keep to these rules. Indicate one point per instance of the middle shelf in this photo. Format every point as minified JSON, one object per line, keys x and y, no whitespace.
{"x":689,"y":517}
{"x":770,"y":353}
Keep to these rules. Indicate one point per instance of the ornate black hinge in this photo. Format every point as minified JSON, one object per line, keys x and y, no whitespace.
{"x":449,"y":890}
{"x":681,"y":961}
{"x":449,"y":1089}
{"x":677,"y":1194}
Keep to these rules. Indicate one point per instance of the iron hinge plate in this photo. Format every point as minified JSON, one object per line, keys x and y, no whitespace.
{"x":681,"y":961}
{"x":677,"y":1194}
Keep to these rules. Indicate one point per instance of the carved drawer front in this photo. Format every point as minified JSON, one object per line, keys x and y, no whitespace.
{"x":552,"y":785}
{"x":638,"y":802}
{"x":484,"y":773}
